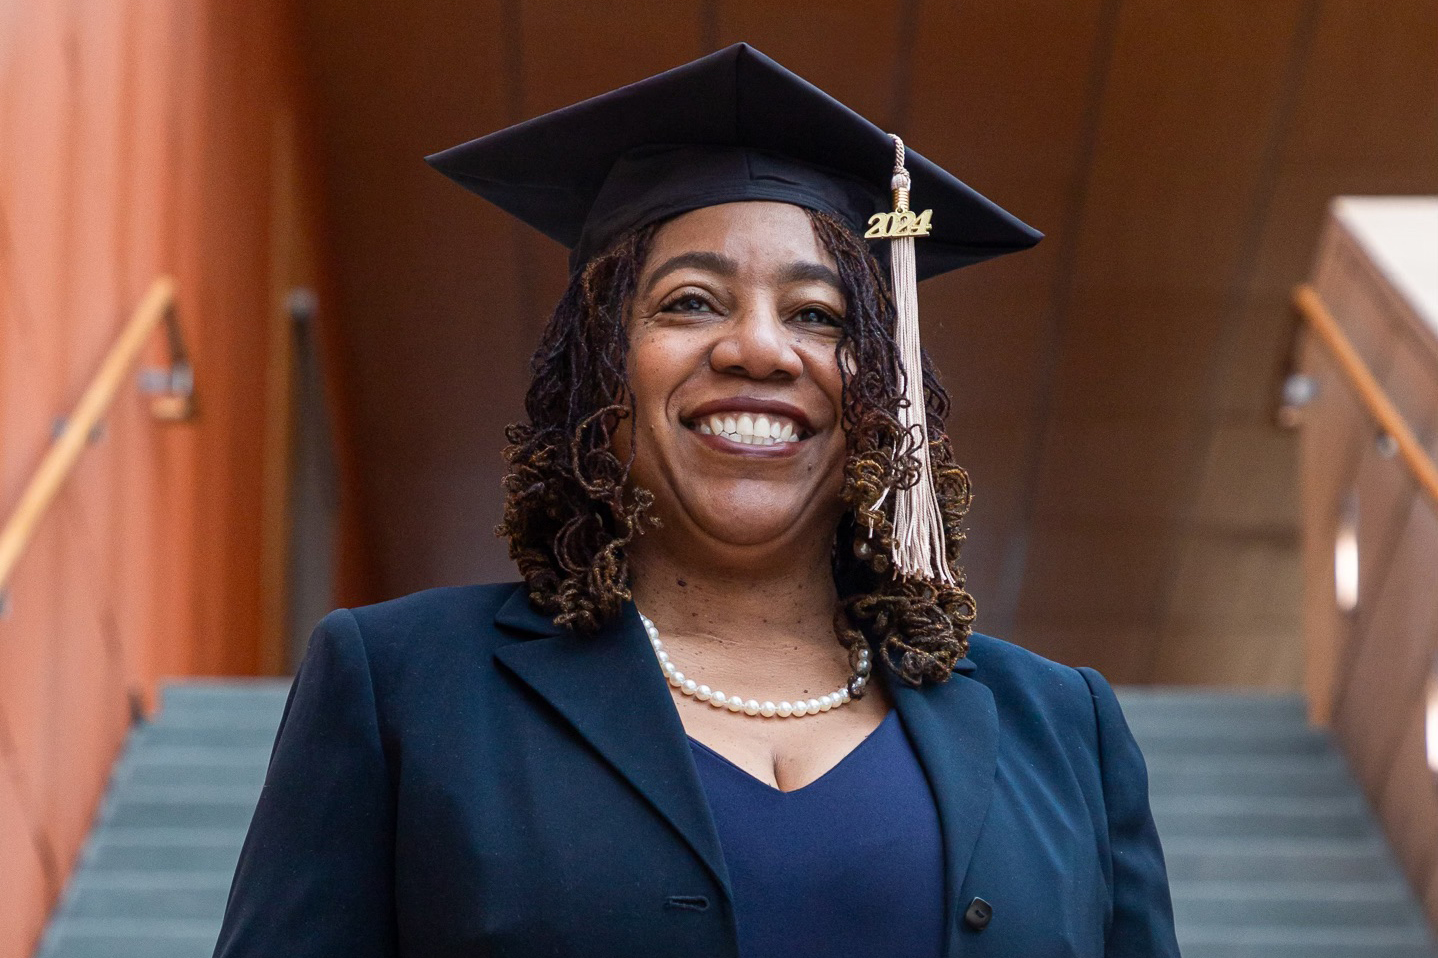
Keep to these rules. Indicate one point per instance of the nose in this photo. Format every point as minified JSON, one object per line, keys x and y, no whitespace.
{"x":756,"y":344}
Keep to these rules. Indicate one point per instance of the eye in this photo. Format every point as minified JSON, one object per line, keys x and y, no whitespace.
{"x":687,"y":303}
{"x":817,"y":315}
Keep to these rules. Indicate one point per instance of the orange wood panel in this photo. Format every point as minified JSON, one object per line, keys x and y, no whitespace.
{"x":1430,"y":899}
{"x":847,"y":49}
{"x":989,"y":451}
{"x":1250,"y":477}
{"x":1381,"y":679}
{"x":1099,"y":577}
{"x":1236,"y":593}
{"x":137,"y":123}
{"x":1177,"y":164}
{"x":1017,"y":135}
{"x":1176,"y":168}
{"x":1363,"y":122}
{"x":430,"y":309}
{"x":1384,"y":486}
{"x":1408,"y":803}
{"x":28,"y":886}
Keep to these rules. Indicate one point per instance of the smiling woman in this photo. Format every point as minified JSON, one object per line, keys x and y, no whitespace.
{"x":727,"y":712}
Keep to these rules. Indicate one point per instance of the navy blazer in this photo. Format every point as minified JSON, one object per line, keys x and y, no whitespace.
{"x":456,"y":776}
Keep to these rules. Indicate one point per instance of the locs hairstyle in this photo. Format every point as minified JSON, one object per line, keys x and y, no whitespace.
{"x":570,"y":510}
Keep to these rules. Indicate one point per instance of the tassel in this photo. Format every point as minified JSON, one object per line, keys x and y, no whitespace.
{"x":919,"y":548}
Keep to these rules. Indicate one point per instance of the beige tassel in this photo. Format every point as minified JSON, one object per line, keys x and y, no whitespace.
{"x":918,"y":546}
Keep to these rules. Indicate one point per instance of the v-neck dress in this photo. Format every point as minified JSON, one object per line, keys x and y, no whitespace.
{"x":850,"y":864}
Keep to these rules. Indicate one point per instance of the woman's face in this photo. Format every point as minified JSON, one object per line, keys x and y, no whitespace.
{"x":732,"y":337}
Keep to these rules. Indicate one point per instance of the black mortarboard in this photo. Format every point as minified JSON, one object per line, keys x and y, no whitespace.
{"x":736,"y":126}
{"x":731,"y":126}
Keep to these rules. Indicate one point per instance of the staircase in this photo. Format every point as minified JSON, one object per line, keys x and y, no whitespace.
{"x":1271,"y":849}
{"x":156,"y":871}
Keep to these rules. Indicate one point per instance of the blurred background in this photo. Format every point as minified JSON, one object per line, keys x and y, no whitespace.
{"x":256,"y":359}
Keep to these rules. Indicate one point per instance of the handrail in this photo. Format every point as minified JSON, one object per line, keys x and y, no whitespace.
{"x":60,"y":459}
{"x":1311,"y":307}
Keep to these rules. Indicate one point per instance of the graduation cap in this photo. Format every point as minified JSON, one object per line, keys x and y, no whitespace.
{"x":736,"y":126}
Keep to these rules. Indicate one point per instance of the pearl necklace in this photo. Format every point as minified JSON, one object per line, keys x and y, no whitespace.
{"x":737,"y":703}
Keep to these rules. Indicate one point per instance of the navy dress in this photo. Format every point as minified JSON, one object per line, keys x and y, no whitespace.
{"x":850,"y":864}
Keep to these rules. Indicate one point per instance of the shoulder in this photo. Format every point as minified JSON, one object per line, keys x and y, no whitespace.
{"x":999,"y":664}
{"x":434,"y":628}
{"x":1028,"y":687}
{"x":442,"y":610}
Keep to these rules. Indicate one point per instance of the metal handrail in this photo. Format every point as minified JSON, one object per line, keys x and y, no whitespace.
{"x":64,"y":452}
{"x":1311,"y":307}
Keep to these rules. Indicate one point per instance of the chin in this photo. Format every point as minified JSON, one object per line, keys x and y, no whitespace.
{"x":745,"y":523}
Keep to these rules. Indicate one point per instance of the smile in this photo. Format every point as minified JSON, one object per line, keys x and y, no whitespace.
{"x":749,"y":429}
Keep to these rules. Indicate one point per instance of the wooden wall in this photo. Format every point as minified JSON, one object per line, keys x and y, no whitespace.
{"x":1368,"y":669}
{"x":137,"y":137}
{"x":1135,"y":505}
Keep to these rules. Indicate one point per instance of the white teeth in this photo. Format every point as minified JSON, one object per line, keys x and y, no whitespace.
{"x":762,"y":430}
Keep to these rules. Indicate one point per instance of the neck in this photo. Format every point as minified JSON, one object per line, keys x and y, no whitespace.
{"x":793,"y":598}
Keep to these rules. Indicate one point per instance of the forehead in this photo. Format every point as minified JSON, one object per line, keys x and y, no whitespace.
{"x":753,"y":233}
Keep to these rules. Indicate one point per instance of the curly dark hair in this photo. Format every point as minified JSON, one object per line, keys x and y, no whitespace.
{"x":570,"y":511}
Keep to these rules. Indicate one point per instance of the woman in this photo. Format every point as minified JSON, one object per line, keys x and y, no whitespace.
{"x":719,"y":438}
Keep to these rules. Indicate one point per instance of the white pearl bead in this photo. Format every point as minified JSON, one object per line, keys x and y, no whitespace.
{"x":735,"y":703}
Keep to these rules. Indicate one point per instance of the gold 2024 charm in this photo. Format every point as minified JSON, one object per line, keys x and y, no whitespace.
{"x":899,"y":224}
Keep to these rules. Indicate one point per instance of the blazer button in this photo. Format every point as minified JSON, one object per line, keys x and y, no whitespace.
{"x":979,"y":914}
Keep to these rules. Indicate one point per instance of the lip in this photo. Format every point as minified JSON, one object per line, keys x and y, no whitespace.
{"x":749,"y":404}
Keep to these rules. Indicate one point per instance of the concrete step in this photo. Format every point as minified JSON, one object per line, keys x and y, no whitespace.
{"x":1145,"y":704}
{"x":224,"y":695}
{"x":1315,"y":941}
{"x":1310,"y":776}
{"x":147,"y":893}
{"x":229,"y":808}
{"x":1306,"y":904}
{"x":167,"y":849}
{"x":1278,"y":859}
{"x":1221,"y":816}
{"x":248,"y":775}
{"x":258,"y":736}
{"x":130,"y":938}
{"x":1179,"y":738}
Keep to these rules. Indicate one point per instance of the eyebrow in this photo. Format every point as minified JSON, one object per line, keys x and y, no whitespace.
{"x":797,"y":272}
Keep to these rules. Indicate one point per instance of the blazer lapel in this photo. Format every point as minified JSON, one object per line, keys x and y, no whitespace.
{"x":609,"y":687}
{"x":954,"y":728}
